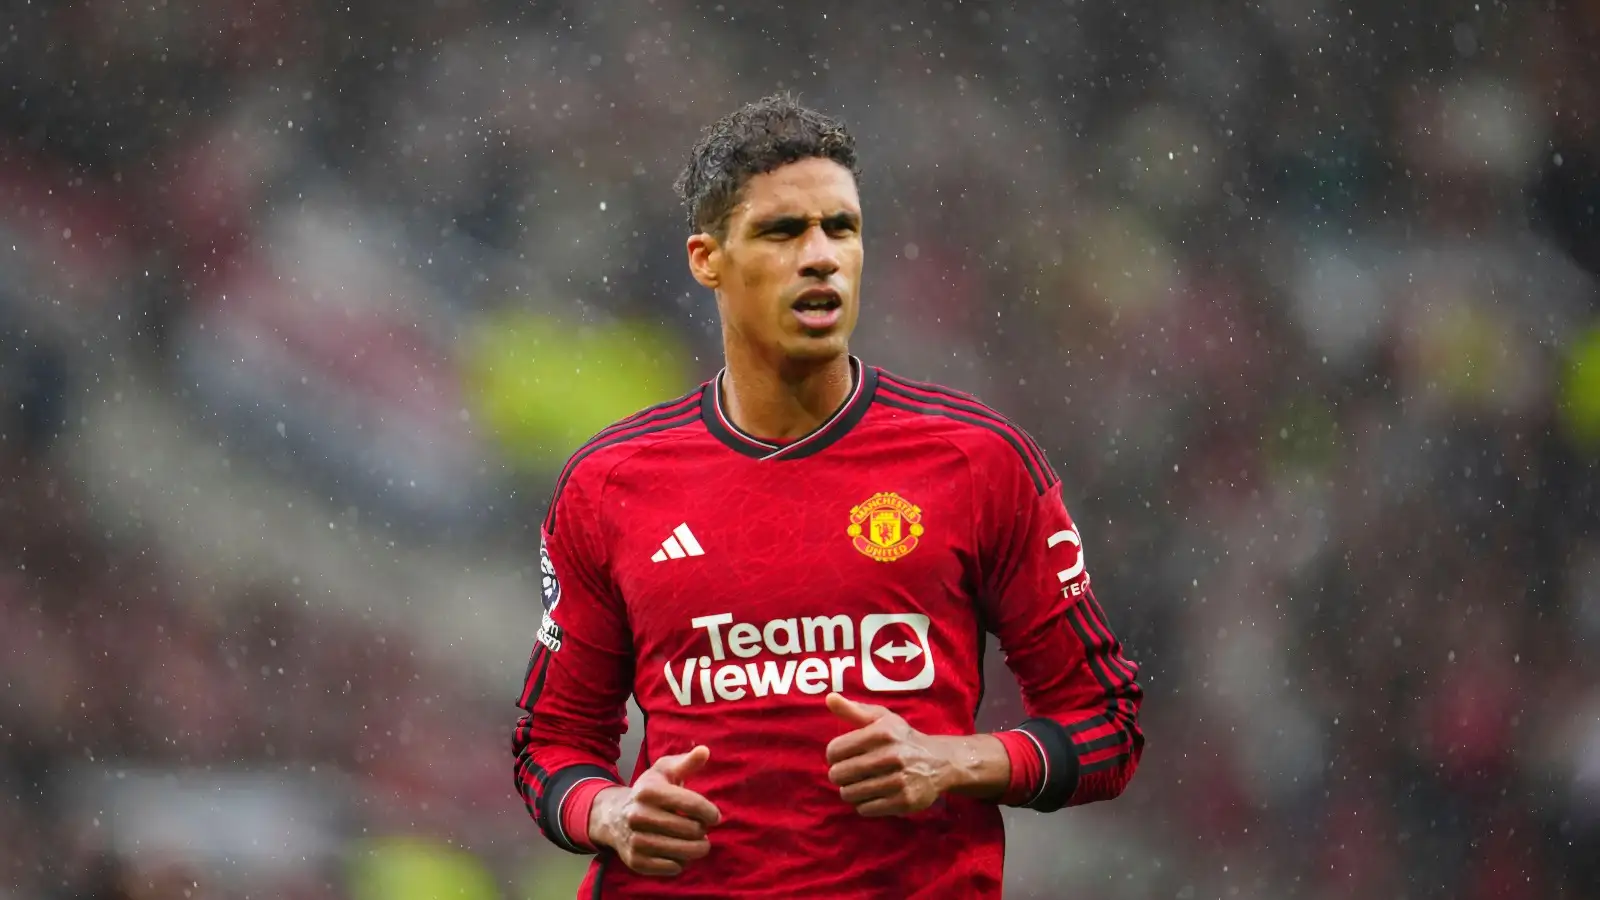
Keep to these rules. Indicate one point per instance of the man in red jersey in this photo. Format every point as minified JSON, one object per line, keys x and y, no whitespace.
{"x":793,"y":569}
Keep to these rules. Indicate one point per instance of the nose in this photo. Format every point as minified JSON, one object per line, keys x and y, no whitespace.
{"x":818,"y":254}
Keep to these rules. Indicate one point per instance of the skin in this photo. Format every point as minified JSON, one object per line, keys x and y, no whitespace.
{"x":795,"y":228}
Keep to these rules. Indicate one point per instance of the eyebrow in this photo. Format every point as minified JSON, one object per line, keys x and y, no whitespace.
{"x":798,"y":223}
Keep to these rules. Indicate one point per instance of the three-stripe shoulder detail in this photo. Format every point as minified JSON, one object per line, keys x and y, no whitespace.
{"x":661,"y":417}
{"x":932,"y":399}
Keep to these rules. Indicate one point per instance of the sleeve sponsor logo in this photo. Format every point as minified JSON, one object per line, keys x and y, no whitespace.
{"x":1074,"y":580}
{"x":550,"y":594}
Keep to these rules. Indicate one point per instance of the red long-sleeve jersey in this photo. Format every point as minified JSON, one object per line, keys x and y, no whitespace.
{"x":729,"y":583}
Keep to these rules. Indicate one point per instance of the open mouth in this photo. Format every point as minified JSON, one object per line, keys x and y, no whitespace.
{"x":819,"y":310}
{"x":823,"y":301}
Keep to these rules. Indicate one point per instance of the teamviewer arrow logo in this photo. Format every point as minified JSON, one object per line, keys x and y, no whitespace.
{"x":892,"y":652}
{"x":895,"y":649}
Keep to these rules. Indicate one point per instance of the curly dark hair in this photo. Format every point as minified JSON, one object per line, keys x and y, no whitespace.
{"x":754,"y":139}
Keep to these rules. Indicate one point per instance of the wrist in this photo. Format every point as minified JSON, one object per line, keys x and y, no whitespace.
{"x":601,"y":814}
{"x":976,"y":765}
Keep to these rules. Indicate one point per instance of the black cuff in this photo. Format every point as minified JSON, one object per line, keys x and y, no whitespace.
{"x":1060,"y":764}
{"x":555,"y":794}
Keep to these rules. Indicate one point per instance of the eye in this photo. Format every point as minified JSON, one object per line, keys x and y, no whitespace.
{"x":840,"y":226}
{"x":785,"y":230}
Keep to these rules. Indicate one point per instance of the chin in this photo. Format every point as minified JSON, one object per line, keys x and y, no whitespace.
{"x":817,"y":348}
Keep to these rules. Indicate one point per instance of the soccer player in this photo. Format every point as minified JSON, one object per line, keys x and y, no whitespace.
{"x":793,"y":568}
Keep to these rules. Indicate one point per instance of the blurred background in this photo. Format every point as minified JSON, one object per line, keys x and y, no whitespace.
{"x":303,"y":304}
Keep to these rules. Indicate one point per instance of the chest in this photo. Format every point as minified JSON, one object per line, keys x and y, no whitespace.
{"x":742,"y":544}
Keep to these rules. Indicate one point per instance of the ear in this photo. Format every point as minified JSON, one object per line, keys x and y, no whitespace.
{"x":705,"y":259}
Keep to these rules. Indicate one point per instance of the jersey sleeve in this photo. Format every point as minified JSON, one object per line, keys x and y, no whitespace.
{"x":574,"y":694}
{"x":1081,"y":694}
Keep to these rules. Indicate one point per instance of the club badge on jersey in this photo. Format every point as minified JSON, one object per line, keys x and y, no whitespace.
{"x":550,"y":589}
{"x":885,"y":527}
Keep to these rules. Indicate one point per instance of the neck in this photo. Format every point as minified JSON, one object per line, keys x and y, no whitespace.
{"x":786,"y":401}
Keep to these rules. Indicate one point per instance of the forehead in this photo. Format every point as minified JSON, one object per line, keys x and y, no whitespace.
{"x":808,"y":187}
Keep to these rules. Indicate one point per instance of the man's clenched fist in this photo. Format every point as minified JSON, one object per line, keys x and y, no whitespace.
{"x":884,"y":767}
{"x":656,"y":826}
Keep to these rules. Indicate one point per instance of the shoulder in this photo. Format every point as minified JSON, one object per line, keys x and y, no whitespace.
{"x":588,"y":466}
{"x":993,"y":442}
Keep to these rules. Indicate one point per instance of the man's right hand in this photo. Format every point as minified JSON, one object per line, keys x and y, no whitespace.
{"x":656,"y":826}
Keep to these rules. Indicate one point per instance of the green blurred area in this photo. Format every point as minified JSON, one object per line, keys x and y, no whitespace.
{"x":545,"y":384}
{"x":1580,"y":391}
{"x":416,"y":868}
{"x":404,"y":868}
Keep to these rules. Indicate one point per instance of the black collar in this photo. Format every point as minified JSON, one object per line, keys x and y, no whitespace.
{"x":864,"y":383}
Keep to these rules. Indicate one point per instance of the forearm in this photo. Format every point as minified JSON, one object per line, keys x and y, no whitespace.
{"x":550,"y":774}
{"x":1007,"y":767}
{"x":977,"y":765}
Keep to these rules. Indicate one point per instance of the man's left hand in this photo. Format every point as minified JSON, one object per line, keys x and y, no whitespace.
{"x":885,"y":767}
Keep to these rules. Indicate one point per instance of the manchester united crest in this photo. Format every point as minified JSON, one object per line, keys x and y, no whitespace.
{"x":885,"y":527}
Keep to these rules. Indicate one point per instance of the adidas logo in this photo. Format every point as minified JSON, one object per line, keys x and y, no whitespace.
{"x":681,"y":544}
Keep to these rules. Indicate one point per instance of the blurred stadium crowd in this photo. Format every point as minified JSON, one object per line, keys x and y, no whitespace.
{"x":303,"y":304}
